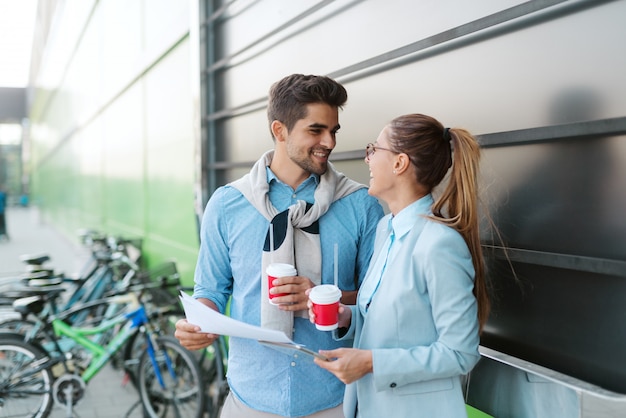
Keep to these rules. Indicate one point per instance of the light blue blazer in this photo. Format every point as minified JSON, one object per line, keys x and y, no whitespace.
{"x":421,"y":326}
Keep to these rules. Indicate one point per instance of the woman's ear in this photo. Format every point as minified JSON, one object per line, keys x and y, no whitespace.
{"x":279,"y":130}
{"x":401,"y":163}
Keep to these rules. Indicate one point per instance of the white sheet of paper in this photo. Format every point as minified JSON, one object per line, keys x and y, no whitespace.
{"x":214,"y":322}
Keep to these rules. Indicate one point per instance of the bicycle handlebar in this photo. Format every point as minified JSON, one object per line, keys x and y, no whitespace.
{"x":132,"y":294}
{"x":162,"y":283}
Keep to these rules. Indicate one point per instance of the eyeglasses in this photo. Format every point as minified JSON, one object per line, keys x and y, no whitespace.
{"x":370,"y":149}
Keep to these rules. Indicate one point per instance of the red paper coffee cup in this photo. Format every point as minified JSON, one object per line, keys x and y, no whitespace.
{"x":325,"y":299}
{"x":274,"y":271}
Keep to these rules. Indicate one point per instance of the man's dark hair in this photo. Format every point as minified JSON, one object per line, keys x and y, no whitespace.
{"x":290,"y":96}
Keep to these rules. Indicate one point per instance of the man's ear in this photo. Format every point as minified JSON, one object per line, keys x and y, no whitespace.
{"x":279,"y":130}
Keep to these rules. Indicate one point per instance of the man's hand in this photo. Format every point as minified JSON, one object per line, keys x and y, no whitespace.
{"x":190,"y":337}
{"x":295,"y":286}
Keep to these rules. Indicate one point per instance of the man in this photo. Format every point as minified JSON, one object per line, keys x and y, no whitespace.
{"x":313,"y":209}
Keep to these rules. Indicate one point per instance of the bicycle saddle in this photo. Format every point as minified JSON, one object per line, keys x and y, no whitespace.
{"x":35,"y":259}
{"x":46,"y":292}
{"x":31,"y":304}
{"x":42,"y":282}
{"x":36,"y":268}
{"x":36,"y":275}
{"x":9,"y":285}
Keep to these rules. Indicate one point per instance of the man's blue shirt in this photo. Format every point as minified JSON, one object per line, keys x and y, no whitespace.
{"x":229,"y":264}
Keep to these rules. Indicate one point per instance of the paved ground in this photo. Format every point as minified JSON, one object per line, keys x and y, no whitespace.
{"x":105,"y":396}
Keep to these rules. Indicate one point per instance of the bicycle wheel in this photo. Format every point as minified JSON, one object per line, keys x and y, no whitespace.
{"x":182,"y":394}
{"x":30,"y":330}
{"x":25,"y":391}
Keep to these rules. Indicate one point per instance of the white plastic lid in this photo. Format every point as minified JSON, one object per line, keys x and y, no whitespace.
{"x":281,"y":270}
{"x":325,"y":294}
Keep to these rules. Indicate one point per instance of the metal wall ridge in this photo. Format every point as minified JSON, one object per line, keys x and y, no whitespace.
{"x":399,"y":56}
{"x":559,"y":260}
{"x":601,"y":127}
{"x":594,"y":128}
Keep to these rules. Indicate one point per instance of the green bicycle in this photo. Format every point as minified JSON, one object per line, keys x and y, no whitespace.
{"x":32,"y":377}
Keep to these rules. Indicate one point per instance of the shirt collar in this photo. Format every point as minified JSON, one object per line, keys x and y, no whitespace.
{"x":271,"y":176}
{"x":405,"y":219}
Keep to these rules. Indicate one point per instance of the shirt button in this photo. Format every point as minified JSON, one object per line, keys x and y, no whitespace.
{"x":293,"y":195}
{"x":293,"y":364}
{"x":393,"y":385}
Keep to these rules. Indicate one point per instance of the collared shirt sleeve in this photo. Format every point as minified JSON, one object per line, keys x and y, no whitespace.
{"x":213,"y":275}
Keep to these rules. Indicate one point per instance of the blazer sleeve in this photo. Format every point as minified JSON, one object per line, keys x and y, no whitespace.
{"x":354,"y":323}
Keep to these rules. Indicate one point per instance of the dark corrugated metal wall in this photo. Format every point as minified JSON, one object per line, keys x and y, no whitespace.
{"x":541,"y":83}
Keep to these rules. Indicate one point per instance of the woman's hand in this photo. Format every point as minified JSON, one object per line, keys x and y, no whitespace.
{"x":348,"y":364}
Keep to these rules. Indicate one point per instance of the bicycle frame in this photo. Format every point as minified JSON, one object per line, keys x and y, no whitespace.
{"x":132,"y":322}
{"x":167,"y":377}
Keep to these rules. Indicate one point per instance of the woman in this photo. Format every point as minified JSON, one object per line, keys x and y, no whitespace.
{"x":423,"y":302}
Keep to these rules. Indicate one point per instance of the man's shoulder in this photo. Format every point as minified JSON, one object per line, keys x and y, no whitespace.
{"x":226,"y":191}
{"x":359,"y":202}
{"x":362,"y":197}
{"x":226,"y":196}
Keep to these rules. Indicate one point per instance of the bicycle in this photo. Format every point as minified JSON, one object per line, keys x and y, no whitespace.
{"x":169,"y":377}
{"x":164,"y":310}
{"x":112,"y":263}
{"x":162,"y":306}
{"x":213,"y":360}
{"x":103,"y":278}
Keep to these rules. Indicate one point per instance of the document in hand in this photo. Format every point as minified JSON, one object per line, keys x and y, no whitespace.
{"x":213,"y":322}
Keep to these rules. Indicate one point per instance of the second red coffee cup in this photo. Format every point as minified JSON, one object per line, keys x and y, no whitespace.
{"x":325,"y":299}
